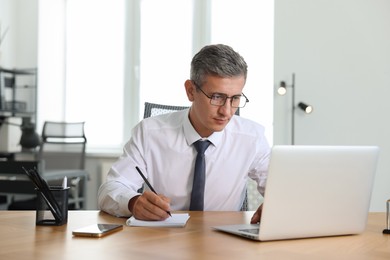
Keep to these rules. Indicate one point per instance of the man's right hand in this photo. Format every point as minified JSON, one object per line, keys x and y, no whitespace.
{"x":149,"y":206}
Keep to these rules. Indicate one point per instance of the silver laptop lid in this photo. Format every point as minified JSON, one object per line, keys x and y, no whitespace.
{"x":317,"y":191}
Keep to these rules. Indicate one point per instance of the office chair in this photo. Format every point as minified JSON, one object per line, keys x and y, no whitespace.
{"x":153,"y":109}
{"x":62,"y":152}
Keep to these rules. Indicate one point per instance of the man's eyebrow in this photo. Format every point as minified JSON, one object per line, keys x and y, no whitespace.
{"x":218,"y":93}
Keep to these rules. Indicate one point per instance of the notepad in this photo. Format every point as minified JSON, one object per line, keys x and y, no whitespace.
{"x":177,"y":220}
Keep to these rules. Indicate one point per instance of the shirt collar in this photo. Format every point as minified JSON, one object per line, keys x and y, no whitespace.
{"x":192,"y":136}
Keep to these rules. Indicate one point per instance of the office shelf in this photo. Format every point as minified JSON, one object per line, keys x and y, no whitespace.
{"x":18,"y":94}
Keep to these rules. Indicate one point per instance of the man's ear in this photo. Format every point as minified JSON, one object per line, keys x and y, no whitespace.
{"x":190,"y":88}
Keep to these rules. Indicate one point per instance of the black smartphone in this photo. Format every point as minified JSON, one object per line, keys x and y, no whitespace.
{"x":97,"y":230}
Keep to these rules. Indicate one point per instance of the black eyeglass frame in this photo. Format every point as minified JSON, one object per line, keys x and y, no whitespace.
{"x":225,"y":98}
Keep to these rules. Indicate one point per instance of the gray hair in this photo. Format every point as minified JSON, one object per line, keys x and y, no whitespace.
{"x":217,"y":60}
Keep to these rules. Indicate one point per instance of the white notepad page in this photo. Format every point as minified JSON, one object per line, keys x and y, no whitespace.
{"x":177,"y":220}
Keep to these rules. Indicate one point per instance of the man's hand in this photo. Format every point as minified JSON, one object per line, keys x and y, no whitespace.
{"x":150,"y":206}
{"x":257,"y":216}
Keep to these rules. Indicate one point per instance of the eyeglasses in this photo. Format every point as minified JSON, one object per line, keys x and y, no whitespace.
{"x":217,"y":99}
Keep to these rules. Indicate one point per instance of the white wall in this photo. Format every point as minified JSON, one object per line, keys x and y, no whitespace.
{"x":26,"y":40}
{"x":340,"y":53}
{"x":18,"y":50}
{"x":7,"y":14}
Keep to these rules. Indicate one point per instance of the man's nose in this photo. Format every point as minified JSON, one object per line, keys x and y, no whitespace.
{"x":227,"y":108}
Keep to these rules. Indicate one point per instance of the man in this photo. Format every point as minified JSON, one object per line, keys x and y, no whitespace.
{"x":163,"y":147}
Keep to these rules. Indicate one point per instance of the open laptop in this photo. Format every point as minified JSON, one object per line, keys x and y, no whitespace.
{"x":314,"y":191}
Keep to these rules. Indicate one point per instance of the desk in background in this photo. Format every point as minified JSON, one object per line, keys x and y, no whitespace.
{"x":13,"y":180}
{"x":21,"y":239}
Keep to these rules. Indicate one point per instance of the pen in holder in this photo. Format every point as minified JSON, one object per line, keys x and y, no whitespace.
{"x":52,"y":206}
{"x":387,"y":230}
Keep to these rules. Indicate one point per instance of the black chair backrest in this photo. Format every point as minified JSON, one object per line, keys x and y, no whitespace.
{"x":153,"y":109}
{"x":67,"y":139}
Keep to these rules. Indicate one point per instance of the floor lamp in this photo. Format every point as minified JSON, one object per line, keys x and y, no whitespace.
{"x":282,"y":90}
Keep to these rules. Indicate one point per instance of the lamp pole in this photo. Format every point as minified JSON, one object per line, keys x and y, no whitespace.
{"x":293,"y":110}
{"x":282,"y":90}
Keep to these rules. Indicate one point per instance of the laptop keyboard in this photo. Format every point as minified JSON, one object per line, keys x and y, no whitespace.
{"x":251,"y":230}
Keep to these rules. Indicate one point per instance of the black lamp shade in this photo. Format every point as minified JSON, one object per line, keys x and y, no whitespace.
{"x":282,"y":88}
{"x":307,"y":108}
{"x":29,"y":139}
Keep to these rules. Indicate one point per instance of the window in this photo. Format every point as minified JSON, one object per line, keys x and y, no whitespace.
{"x":247,"y":26}
{"x":166,"y":51}
{"x":95,"y":69}
{"x":81,"y":61}
{"x":91,"y":70}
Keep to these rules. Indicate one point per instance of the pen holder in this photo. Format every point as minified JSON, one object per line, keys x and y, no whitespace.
{"x":44,"y":214}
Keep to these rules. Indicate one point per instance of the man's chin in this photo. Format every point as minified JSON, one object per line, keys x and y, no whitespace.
{"x":219,"y":128}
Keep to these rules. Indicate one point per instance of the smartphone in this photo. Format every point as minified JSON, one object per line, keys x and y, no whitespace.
{"x":97,"y":230}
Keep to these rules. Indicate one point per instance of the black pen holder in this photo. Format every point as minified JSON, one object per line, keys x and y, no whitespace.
{"x":44,"y":211}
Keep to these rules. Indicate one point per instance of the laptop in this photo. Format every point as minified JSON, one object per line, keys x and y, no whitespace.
{"x":314,"y":191}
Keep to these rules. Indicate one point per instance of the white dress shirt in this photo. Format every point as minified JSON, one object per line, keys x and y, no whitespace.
{"x":161,"y":147}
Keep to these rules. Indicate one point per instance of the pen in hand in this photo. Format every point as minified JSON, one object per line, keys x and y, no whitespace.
{"x":149,"y":185}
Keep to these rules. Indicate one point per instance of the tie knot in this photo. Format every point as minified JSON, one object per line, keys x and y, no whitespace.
{"x":201,"y":146}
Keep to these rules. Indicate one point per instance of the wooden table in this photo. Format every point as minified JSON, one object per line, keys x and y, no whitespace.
{"x":21,"y":239}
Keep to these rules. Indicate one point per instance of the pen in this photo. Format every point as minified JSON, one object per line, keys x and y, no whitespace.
{"x":149,"y":185}
{"x":65,"y":183}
